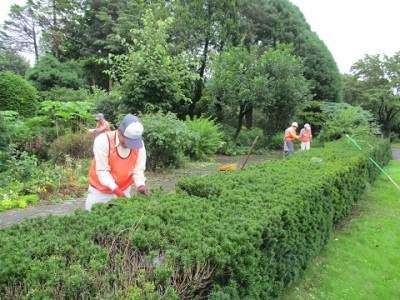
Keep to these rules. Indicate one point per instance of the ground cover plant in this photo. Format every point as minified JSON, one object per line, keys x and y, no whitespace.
{"x":238,"y":245}
{"x":360,"y":260}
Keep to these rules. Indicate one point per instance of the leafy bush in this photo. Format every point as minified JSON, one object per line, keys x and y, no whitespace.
{"x":208,"y":137}
{"x":243,"y":141}
{"x":21,"y":175}
{"x":343,"y":119}
{"x":5,"y":137}
{"x":76,"y":145}
{"x":17,"y":94}
{"x":49,"y":73}
{"x":66,"y":117}
{"x":276,"y":141}
{"x":166,"y":139}
{"x":64,"y":94}
{"x":11,"y":60}
{"x":246,"y":138}
{"x":39,"y":144}
{"x":107,"y":103}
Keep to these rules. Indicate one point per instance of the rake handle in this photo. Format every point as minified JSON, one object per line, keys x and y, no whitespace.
{"x":248,"y":154}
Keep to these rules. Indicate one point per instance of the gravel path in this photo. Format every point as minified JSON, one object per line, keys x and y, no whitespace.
{"x":166,"y":181}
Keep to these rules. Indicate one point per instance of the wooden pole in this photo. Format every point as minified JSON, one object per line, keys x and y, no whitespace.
{"x":248,"y":154}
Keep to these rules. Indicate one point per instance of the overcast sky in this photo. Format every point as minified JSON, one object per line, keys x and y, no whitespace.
{"x":352,"y":28}
{"x":349,"y":28}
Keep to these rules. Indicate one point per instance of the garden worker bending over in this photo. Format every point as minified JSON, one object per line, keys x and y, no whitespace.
{"x":290,"y":136}
{"x":119,"y":161}
{"x":306,"y":137}
{"x":102,"y":125}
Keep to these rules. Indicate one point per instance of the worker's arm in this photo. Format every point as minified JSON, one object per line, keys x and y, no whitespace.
{"x":101,"y":151}
{"x":138,"y":171}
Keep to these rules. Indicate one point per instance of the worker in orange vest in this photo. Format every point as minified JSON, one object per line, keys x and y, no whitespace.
{"x":290,"y":136}
{"x":102,"y":125}
{"x":306,"y":137}
{"x":119,"y":161}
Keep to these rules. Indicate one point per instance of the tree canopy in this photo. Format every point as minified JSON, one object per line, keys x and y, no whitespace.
{"x":375,"y":86}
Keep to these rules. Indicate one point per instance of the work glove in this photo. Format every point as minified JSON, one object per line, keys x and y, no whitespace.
{"x":91,"y":130}
{"x":119,"y":193}
{"x":144,"y":190}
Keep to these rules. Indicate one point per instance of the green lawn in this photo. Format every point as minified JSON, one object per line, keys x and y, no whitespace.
{"x":362,"y":259}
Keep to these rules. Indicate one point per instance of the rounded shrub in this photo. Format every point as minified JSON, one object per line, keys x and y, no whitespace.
{"x":75,"y":145}
{"x":17,"y":94}
{"x":166,"y":139}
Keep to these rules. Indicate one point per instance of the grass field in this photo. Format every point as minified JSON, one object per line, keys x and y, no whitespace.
{"x":362,"y":259}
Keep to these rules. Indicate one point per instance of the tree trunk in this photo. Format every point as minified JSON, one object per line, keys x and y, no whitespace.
{"x":110,"y":83}
{"x":55,"y":41}
{"x":35,"y":44}
{"x":242,"y":113}
{"x":249,"y":118}
{"x":199,"y":84}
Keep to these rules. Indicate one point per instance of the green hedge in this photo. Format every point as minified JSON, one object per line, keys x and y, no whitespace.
{"x":229,"y":235}
{"x":17,"y":94}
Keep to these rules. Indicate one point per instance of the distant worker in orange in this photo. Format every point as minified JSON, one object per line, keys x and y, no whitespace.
{"x":102,"y":125}
{"x":306,"y":137}
{"x":290,"y":136}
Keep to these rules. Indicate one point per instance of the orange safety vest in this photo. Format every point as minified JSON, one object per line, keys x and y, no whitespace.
{"x":290,"y":134}
{"x":121,"y":168}
{"x":305,"y":135}
{"x":103,"y":123}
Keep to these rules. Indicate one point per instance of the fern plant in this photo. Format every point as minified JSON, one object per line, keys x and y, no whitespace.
{"x":208,"y":137}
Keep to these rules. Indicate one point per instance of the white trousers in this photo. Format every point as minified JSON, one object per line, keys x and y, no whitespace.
{"x":95,"y":196}
{"x":305,"y":145}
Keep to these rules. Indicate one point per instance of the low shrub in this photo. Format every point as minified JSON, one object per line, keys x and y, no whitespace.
{"x":208,"y":137}
{"x":243,"y":142}
{"x":166,"y":139}
{"x":76,"y":145}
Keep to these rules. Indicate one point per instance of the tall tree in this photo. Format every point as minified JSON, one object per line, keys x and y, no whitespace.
{"x":378,"y":76}
{"x":57,"y":19}
{"x":12,"y":61}
{"x":150,"y":77}
{"x":272,"y":21}
{"x":269,"y":81}
{"x":21,"y":32}
{"x":95,"y":34}
{"x":201,"y":27}
{"x":49,"y":73}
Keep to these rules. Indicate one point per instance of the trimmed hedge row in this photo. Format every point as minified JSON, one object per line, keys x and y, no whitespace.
{"x":228,"y":235}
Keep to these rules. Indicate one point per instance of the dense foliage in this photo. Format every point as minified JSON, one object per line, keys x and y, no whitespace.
{"x":149,"y":53}
{"x":49,"y":73}
{"x":279,"y":21}
{"x":374,"y":84}
{"x":167,"y":139}
{"x":11,"y":60}
{"x":17,"y":94}
{"x":214,"y":239}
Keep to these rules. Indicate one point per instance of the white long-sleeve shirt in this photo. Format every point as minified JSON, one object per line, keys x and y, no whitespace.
{"x":101,"y":151}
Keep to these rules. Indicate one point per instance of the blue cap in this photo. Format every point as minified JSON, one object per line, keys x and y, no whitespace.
{"x":132,"y":130}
